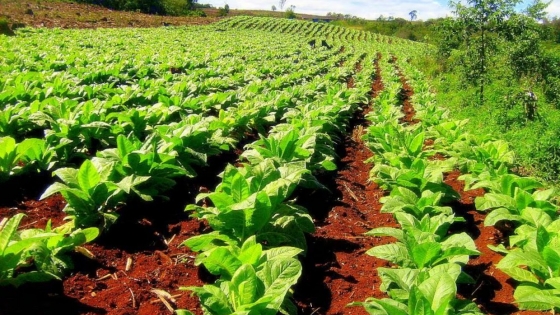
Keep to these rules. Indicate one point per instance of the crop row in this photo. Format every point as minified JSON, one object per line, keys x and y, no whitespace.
{"x":410,"y":161}
{"x":126,"y":146}
{"x":258,"y":231}
{"x":308,"y":29}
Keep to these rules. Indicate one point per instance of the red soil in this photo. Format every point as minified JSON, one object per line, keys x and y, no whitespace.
{"x":336,"y":270}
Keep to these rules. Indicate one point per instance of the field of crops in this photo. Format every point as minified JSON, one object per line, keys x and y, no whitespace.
{"x":255,"y":166}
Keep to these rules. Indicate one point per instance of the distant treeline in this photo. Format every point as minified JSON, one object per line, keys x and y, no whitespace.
{"x":425,"y":31}
{"x":160,"y":7}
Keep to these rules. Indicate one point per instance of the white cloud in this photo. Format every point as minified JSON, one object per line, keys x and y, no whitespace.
{"x":371,"y":9}
{"x":368,"y":9}
{"x":554,"y":8}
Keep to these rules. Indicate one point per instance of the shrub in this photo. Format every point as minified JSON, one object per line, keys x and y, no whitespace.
{"x":175,"y":7}
{"x":222,"y":12}
{"x":196,"y":13}
{"x":5,"y":27}
{"x":290,"y":14}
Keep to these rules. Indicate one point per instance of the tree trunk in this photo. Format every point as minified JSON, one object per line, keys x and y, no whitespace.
{"x":482,"y":71}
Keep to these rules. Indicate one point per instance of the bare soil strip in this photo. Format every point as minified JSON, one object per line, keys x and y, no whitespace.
{"x":336,"y":270}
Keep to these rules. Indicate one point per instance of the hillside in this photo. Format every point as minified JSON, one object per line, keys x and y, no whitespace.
{"x":62,"y":14}
{"x":66,"y":14}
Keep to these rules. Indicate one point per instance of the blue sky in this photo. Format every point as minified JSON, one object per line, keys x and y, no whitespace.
{"x":371,"y":9}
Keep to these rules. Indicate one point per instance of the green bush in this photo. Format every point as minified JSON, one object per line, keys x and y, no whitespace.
{"x":196,"y":13}
{"x":552,"y":91}
{"x":175,"y":7}
{"x":222,"y":12}
{"x":290,"y":14}
{"x":5,"y":27}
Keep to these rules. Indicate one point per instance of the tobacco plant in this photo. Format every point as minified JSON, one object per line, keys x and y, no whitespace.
{"x":536,"y":266}
{"x":35,"y":255}
{"x":251,"y":201}
{"x":91,"y":197}
{"x":253,"y":280}
{"x":420,"y":292}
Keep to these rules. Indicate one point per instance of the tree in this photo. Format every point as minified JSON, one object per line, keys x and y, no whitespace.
{"x":223,"y":11}
{"x":282,"y":3}
{"x":290,"y":14}
{"x":191,"y":3}
{"x":413,"y":15}
{"x":486,"y":28}
{"x":273,"y":8}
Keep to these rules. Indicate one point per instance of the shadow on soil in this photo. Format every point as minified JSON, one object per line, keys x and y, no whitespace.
{"x":319,"y":266}
{"x":483,"y":291}
{"x":41,"y":298}
{"x":144,"y":226}
{"x":24,"y":187}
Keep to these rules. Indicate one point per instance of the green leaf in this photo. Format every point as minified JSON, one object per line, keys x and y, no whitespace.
{"x":544,"y":195}
{"x":282,"y":252}
{"x":88,"y":177}
{"x":78,"y":200}
{"x":221,"y":200}
{"x":499,"y":249}
{"x":520,"y":274}
{"x":395,"y":253}
{"x":27,"y":242}
{"x":535,"y":217}
{"x":402,"y":278}
{"x":418,"y":304}
{"x":423,"y":254}
{"x":239,"y":188}
{"x":53,"y":189}
{"x":383,"y":307}
{"x":244,"y":286}
{"x":551,"y":255}
{"x":9,"y":228}
{"x":416,"y":144}
{"x":89,"y":234}
{"x":124,"y":146}
{"x":542,"y":239}
{"x":213,"y":299}
{"x":534,"y":297}
{"x":439,"y":291}
{"x":386,"y":231}
{"x":500,"y":214}
{"x":251,"y":251}
{"x":554,"y":282}
{"x":492,"y":200}
{"x":206,"y":242}
{"x":68,"y":175}
{"x":329,"y":165}
{"x":279,"y":274}
{"x":221,"y":261}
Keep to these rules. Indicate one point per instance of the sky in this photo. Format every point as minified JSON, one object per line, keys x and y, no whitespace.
{"x":371,"y":9}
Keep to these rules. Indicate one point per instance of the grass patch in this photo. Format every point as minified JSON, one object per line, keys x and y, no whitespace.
{"x":536,"y":143}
